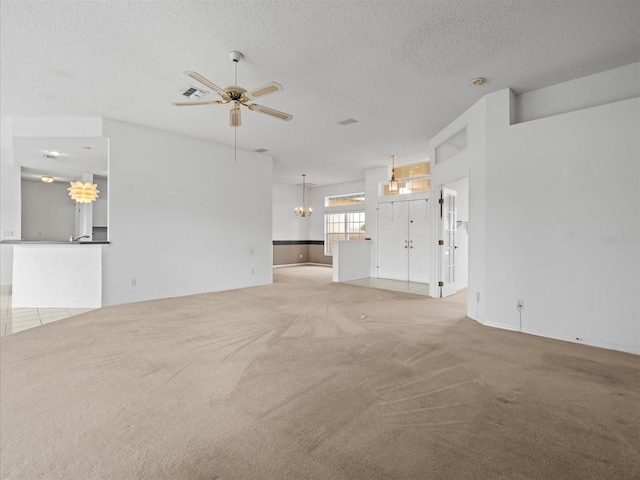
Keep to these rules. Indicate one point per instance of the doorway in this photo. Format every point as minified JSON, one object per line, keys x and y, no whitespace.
{"x":402,"y":248}
{"x":453,"y":237}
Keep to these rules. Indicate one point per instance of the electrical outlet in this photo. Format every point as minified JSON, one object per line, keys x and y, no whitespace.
{"x":133,"y":282}
{"x":300,"y":255}
{"x":478,"y":297}
{"x":520,"y":304}
{"x":252,"y":271}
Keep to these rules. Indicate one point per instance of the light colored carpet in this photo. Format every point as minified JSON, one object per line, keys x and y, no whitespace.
{"x":307,"y":379}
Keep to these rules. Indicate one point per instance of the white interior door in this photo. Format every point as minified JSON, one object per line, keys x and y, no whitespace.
{"x":393,"y":240}
{"x":418,"y":253}
{"x":447,"y":243}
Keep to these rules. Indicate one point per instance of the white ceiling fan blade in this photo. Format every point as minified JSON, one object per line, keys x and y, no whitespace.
{"x":264,"y":90}
{"x":270,"y":111}
{"x":201,"y":102}
{"x":196,"y":76}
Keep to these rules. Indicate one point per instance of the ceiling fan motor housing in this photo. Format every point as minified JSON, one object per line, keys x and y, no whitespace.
{"x":235,"y":56}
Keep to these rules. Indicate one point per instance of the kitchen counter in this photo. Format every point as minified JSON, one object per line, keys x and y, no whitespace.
{"x":48,"y":242}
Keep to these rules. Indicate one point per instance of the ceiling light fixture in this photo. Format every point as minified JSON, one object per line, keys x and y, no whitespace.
{"x":46,"y":178}
{"x":83,"y":192}
{"x":237,"y":97}
{"x":478,"y":82}
{"x":393,"y":183}
{"x":303,"y":211}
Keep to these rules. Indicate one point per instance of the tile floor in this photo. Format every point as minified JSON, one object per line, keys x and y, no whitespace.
{"x":14,"y":320}
{"x":396,"y":285}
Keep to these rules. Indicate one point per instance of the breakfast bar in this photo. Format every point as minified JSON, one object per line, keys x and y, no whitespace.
{"x":57,"y":274}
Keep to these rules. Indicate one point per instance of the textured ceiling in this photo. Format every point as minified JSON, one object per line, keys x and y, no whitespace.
{"x":401,"y":68}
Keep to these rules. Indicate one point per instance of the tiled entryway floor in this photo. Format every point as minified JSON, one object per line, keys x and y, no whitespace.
{"x":395,"y":285}
{"x":14,"y":320}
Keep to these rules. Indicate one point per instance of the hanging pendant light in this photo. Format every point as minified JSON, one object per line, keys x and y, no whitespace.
{"x":83,"y":192}
{"x":303,"y":211}
{"x":393,"y":183}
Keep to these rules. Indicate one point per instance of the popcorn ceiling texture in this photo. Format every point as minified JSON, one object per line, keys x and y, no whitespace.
{"x":401,"y":68}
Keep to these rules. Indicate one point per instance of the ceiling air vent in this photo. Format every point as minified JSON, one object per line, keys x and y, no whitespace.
{"x":261,"y":150}
{"x":193,"y":92}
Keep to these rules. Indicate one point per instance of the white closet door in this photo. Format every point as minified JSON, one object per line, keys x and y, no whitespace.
{"x":393,"y":240}
{"x":418,"y":252}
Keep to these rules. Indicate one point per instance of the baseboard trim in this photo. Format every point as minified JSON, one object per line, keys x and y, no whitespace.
{"x":303,"y":265}
{"x":564,"y":338}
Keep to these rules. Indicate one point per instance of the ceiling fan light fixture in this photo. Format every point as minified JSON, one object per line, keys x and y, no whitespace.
{"x":235,"y":118}
{"x":234,"y":95}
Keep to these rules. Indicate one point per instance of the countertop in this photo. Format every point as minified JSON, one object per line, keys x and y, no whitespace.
{"x":48,"y":242}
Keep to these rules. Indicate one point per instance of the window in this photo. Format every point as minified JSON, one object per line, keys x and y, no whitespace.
{"x":340,"y":200}
{"x":343,"y":219}
{"x":413,"y":178}
{"x":342,"y":226}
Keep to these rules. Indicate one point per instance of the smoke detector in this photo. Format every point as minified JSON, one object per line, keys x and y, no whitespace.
{"x":477,"y":82}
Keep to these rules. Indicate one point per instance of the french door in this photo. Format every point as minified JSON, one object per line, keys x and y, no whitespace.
{"x":447,"y":243}
{"x":402,"y":241}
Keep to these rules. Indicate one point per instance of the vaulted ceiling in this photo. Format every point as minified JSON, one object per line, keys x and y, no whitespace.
{"x":400,"y":68}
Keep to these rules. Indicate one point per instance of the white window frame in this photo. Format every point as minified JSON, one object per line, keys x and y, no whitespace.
{"x":348,"y":210}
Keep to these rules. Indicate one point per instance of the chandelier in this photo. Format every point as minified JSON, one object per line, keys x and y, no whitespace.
{"x":393,"y":183}
{"x":83,"y":192}
{"x":303,"y":211}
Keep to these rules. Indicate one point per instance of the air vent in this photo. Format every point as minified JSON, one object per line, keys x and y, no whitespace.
{"x":193,"y":92}
{"x":348,"y":121}
{"x":261,"y":150}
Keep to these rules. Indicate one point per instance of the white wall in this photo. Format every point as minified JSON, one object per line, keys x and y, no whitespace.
{"x":554,"y":215}
{"x":586,"y":92}
{"x":10,"y":221}
{"x":47,"y":211}
{"x":373,"y":177}
{"x":351,"y":260}
{"x":177,"y":222}
{"x":286,"y":224}
{"x":558,"y":190}
{"x":469,"y":163}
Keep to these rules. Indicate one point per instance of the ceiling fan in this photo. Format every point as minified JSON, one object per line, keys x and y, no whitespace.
{"x":237,"y":95}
